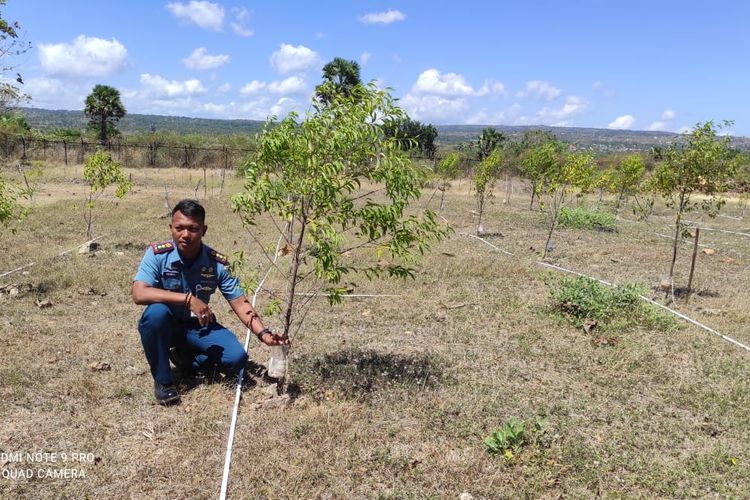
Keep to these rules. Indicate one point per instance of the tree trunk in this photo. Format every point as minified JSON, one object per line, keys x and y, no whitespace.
{"x":480,"y":209}
{"x":533,"y":194}
{"x":442,"y":198}
{"x":293,"y":278}
{"x":103,"y":130}
{"x":549,"y":235}
{"x":680,"y":207}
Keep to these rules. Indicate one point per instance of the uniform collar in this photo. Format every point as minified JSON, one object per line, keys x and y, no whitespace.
{"x":174,"y":259}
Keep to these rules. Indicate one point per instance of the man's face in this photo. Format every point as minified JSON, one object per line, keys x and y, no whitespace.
{"x":187,"y":233}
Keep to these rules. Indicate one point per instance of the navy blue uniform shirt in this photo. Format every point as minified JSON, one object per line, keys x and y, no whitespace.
{"x":162,"y":267}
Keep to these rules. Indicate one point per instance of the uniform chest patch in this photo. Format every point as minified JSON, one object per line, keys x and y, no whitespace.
{"x":207,"y":273}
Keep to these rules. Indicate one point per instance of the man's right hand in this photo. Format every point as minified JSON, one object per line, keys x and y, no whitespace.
{"x":201,"y":311}
{"x":272,"y":339}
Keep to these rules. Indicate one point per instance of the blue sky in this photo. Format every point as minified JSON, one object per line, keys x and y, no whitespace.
{"x":641,"y":65}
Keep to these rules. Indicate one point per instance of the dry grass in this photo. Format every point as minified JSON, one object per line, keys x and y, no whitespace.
{"x":393,"y":396}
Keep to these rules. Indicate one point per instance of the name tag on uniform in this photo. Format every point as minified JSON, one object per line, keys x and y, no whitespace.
{"x":171,"y":275}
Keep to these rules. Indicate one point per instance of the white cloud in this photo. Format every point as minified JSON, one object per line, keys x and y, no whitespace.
{"x":291,"y":85}
{"x":84,"y":57}
{"x":365,"y":58}
{"x":498,"y":88}
{"x":684,"y":130}
{"x":241,"y":30}
{"x":216,"y":109}
{"x":503,"y":117}
{"x":432,"y":82}
{"x":283,"y":106}
{"x":155,"y":86}
{"x":388,"y":17}
{"x":434,"y":108}
{"x":201,"y":59}
{"x":253,"y":87}
{"x":225,"y":87}
{"x":262,"y":108}
{"x":603,"y":89}
{"x":238,"y":25}
{"x":557,"y":117}
{"x":540,"y":90}
{"x":622,"y":122}
{"x":659,"y":126}
{"x":206,"y":15}
{"x":290,"y":58}
{"x":52,"y":93}
{"x":664,"y":123}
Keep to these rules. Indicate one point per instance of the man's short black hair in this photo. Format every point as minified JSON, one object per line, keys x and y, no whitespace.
{"x":190,"y":208}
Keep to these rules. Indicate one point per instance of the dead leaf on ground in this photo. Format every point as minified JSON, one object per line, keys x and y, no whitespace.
{"x":589,"y":325}
{"x":43,"y":303}
{"x":286,"y":249}
{"x":455,"y":306}
{"x":100,"y":366}
{"x":709,"y":251}
{"x":604,"y":340}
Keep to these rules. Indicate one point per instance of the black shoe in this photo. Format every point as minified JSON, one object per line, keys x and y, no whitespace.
{"x":166,"y":394}
{"x":182,"y":362}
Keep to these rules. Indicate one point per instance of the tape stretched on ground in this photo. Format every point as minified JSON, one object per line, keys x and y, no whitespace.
{"x":238,"y":392}
{"x":56,"y":255}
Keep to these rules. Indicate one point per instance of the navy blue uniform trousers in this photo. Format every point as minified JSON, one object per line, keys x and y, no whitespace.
{"x":212,"y":346}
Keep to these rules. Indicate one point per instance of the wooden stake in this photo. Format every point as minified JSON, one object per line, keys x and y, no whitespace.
{"x":692,"y":264}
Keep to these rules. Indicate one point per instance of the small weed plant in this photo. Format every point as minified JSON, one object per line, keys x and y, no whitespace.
{"x":509,"y":439}
{"x":584,"y":218}
{"x":583,"y":300}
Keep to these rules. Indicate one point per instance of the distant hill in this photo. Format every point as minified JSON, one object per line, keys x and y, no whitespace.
{"x":600,"y":140}
{"x":47,"y":119}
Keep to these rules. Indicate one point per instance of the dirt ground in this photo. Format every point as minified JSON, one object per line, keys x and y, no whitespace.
{"x":391,"y":397}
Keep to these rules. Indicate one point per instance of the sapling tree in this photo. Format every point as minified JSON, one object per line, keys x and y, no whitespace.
{"x":532,"y":169}
{"x":485,"y":175}
{"x":558,"y":172}
{"x":703,"y":165}
{"x":11,"y":207}
{"x":446,"y":170}
{"x":626,"y":178}
{"x":100,"y":172}
{"x":338,"y":190}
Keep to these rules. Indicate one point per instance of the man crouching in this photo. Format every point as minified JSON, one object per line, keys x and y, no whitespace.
{"x":175,"y":280}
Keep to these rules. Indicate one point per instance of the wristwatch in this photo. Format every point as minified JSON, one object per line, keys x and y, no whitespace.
{"x":263,"y":332}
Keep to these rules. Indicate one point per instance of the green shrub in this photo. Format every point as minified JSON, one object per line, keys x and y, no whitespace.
{"x":584,"y":218}
{"x":612,"y":308}
{"x":509,"y":439}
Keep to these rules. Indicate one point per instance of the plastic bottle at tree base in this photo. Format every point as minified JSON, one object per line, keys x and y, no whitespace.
{"x":277,"y":363}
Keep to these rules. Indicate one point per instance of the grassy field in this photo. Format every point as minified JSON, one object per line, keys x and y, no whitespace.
{"x":392,"y":396}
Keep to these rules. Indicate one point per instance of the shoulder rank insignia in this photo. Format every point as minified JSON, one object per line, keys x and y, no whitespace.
{"x":218,"y":257}
{"x":164,"y":247}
